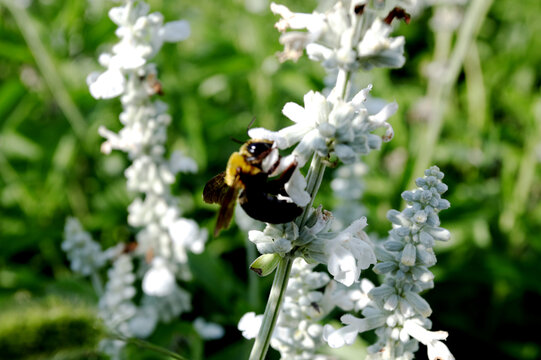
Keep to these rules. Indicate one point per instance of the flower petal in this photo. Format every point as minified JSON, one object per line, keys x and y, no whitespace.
{"x":106,"y":85}
{"x":339,"y":337}
{"x":175,"y":31}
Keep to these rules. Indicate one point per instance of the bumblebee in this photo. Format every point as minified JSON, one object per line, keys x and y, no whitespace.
{"x":246,"y":179}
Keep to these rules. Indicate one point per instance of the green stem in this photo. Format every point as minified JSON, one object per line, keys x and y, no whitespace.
{"x":146,"y":345}
{"x":281,"y":277}
{"x":517,"y":204}
{"x":475,"y":89}
{"x":342,"y":81}
{"x":313,"y":181}
{"x":279,"y":285}
{"x":442,"y":87}
{"x":391,"y":347}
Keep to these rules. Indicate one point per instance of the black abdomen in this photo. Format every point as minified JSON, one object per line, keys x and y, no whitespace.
{"x":268,"y":208}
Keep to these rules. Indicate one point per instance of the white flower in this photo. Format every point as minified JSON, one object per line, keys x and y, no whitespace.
{"x":338,"y":338}
{"x":143,"y":323}
{"x":331,"y":125}
{"x":347,"y":334}
{"x":159,"y":279}
{"x":295,"y":187}
{"x":376,"y":49}
{"x":163,"y":234}
{"x":404,"y":259}
{"x":337,"y":294}
{"x":297,"y":329}
{"x":116,"y":307}
{"x":170,"y":306}
{"x":85,"y":255}
{"x":147,"y":175}
{"x":144,"y":134}
{"x":179,"y":162}
{"x":307,"y":119}
{"x":175,"y":31}
{"x":295,"y":42}
{"x":208,"y":330}
{"x":347,"y":298}
{"x":360,"y":296}
{"x":109,"y":84}
{"x":186,"y":234}
{"x":349,"y":253}
{"x":141,"y":37}
{"x":349,"y":35}
{"x":249,"y":324}
{"x":275,"y":238}
{"x":436,"y":349}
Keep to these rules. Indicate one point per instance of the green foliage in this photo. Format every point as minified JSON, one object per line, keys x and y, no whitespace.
{"x":32,"y":329}
{"x":487,"y":279}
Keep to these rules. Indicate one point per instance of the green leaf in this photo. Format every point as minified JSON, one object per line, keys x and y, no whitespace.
{"x":10,"y":92}
{"x":15,"y":145}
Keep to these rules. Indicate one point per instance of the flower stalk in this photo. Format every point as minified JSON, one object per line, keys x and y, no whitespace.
{"x":272,"y":310}
{"x":146,"y":345}
{"x":337,"y":127}
{"x":281,"y":278}
{"x":313,"y":180}
{"x":317,"y":166}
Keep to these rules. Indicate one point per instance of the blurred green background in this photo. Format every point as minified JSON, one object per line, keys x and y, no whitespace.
{"x":488,"y":278}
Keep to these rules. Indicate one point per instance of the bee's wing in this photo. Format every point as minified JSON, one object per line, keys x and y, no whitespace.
{"x":228,"y":207}
{"x":215,"y":189}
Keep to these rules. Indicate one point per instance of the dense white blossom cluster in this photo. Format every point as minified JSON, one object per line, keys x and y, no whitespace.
{"x":297,"y":335}
{"x":348,"y":34}
{"x":298,"y":332}
{"x":396,"y":310}
{"x":331,"y":126}
{"x":345,"y":253}
{"x":141,"y":37}
{"x":164,"y":232}
{"x":85,"y":255}
{"x":116,"y":305}
{"x":164,"y":236}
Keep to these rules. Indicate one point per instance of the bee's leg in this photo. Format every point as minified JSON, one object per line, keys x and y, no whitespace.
{"x":274,"y":166}
{"x":276,"y":186}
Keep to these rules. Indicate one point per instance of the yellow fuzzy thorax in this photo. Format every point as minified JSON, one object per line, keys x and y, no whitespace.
{"x":238,"y":164}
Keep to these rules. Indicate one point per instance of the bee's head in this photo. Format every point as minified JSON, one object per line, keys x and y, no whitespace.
{"x":256,"y":150}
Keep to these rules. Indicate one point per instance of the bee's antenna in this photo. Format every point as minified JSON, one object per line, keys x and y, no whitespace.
{"x":250,"y":124}
{"x":237,"y":141}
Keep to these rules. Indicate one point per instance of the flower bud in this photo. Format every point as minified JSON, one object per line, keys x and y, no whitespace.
{"x":265,"y":264}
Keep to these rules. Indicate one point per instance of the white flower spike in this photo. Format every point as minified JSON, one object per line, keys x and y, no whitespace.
{"x":348,"y":35}
{"x":395,"y":308}
{"x":164,"y":236}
